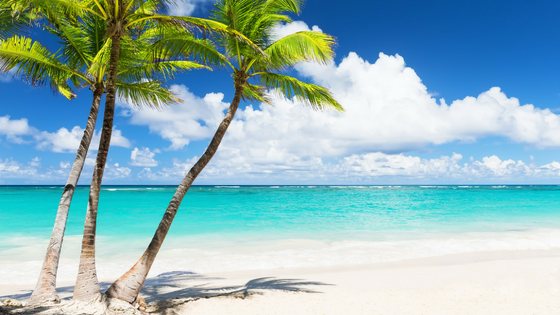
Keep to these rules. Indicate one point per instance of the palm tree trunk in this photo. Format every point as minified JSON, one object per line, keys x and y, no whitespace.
{"x":128,"y":286}
{"x":87,"y":285}
{"x":45,"y":290}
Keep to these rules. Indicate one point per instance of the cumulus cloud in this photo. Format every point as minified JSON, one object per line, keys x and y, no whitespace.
{"x":30,"y":172}
{"x":175,"y":173}
{"x":15,"y":129}
{"x":143,"y":157}
{"x":388,"y":111}
{"x":388,"y":108}
{"x":375,"y":167}
{"x":68,"y":141}
{"x":196,"y":119}
{"x":116,"y":171}
{"x":12,"y":169}
{"x":285,"y":29}
{"x":63,"y":140}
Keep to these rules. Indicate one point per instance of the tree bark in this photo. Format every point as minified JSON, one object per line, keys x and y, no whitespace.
{"x":128,"y":286}
{"x":45,"y":290}
{"x":87,"y":284}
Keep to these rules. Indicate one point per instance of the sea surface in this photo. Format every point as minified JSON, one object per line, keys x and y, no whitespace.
{"x":227,"y":228}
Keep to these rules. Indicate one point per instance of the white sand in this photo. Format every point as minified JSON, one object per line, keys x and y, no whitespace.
{"x":508,"y":282}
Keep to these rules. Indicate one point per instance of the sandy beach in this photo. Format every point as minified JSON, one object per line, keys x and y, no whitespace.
{"x":501,"y":282}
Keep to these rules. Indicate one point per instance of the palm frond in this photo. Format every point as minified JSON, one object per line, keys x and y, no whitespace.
{"x":184,"y":45}
{"x":313,"y":95}
{"x":11,"y":24}
{"x":149,"y":94}
{"x":101,"y":60}
{"x":74,"y":42}
{"x":256,"y":93}
{"x":164,"y":70}
{"x":35,"y":64}
{"x":301,"y":46}
{"x":70,"y":8}
{"x":275,"y":6}
{"x":193,"y":23}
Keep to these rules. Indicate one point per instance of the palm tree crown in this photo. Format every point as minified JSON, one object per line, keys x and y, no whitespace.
{"x":82,"y":61}
{"x":255,"y":20}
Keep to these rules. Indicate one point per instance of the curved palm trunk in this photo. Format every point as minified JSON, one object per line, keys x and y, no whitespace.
{"x":87,"y":285}
{"x":45,"y":290}
{"x":128,"y":286}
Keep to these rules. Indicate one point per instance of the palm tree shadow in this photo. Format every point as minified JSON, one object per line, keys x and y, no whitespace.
{"x":176,"y":288}
{"x":65,"y":293}
{"x":179,"y":285}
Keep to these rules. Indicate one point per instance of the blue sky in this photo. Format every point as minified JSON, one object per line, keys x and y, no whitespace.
{"x":443,"y":92}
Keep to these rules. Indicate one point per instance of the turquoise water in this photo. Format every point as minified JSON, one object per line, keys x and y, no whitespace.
{"x":258,"y":221}
{"x":297,"y":210}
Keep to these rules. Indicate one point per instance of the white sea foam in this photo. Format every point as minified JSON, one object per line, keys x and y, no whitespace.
{"x":18,"y":266}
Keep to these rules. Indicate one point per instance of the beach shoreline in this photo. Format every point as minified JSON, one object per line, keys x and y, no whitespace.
{"x":498,"y":282}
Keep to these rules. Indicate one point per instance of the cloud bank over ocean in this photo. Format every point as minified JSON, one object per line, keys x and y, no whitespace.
{"x":389,"y":112}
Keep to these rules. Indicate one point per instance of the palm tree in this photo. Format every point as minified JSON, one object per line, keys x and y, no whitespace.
{"x":83,"y":61}
{"x":122,"y":18}
{"x":255,"y":19}
{"x":10,"y":23}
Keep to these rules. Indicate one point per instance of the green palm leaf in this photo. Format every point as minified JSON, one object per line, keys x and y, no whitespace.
{"x":310,"y":94}
{"x":11,"y":24}
{"x":305,"y":46}
{"x":256,"y":93}
{"x":150,"y":94}
{"x":163,"y":69}
{"x":35,"y":64}
{"x":181,"y":44}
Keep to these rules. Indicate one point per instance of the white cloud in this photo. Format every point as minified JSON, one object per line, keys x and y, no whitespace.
{"x":115,"y":171}
{"x":375,"y":167}
{"x":285,"y":29}
{"x":15,"y":129}
{"x":380,"y":167}
{"x":35,"y":162}
{"x":64,"y":165}
{"x":387,"y":110}
{"x":175,"y":173}
{"x":63,"y":140}
{"x":143,"y":157}
{"x":196,"y":119}
{"x":68,"y":141}
{"x":10,"y":169}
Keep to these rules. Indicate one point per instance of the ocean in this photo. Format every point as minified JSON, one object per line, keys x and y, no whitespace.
{"x":228,"y":228}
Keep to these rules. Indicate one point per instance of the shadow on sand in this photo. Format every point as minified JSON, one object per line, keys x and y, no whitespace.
{"x":188,"y":285}
{"x":178,"y":287}
{"x":65,"y":293}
